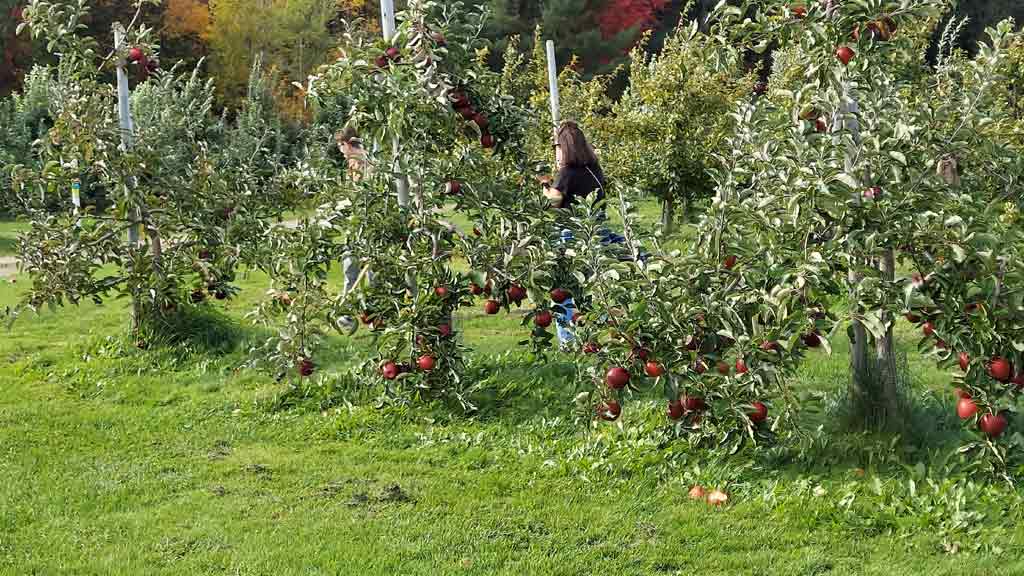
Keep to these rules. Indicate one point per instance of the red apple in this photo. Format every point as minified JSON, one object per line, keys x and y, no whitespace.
{"x":382,"y":61}
{"x":426,"y":362}
{"x":961,"y":393}
{"x":445,"y":330}
{"x":722,"y":368}
{"x":812,"y":340}
{"x":453,"y":187}
{"x":516,"y":293}
{"x":798,"y":11}
{"x":693,"y":403}
{"x":389,"y":371}
{"x":475,"y":289}
{"x":993,"y":425}
{"x":459,"y":99}
{"x":770,"y":346}
{"x":617,"y":378}
{"x":653,"y":369}
{"x":441,"y":292}
{"x":741,"y":366}
{"x":306,"y":367}
{"x":542,"y":319}
{"x":365,"y":318}
{"x":966,"y":408}
{"x":760,"y":413}
{"x":928,"y":329}
{"x":577,"y":317}
{"x":699,"y":367}
{"x":845,"y":54}
{"x":393,"y":53}
{"x":487,"y":141}
{"x":467,"y":113}
{"x":558,"y":295}
{"x":820,"y":125}
{"x":481,"y":121}
{"x":873,"y":193}
{"x":609,"y":410}
{"x":675,"y":410}
{"x":591,"y":348}
{"x":964,"y":360}
{"x":641,"y":353}
{"x":1018,"y":379}
{"x":135,"y":54}
{"x":492,"y":307}
{"x":730,"y":261}
{"x":912,"y":318}
{"x":999,"y":368}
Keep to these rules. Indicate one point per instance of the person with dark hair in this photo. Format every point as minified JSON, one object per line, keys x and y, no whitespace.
{"x":579,"y":172}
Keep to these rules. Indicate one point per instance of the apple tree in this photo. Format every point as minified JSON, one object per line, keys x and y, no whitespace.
{"x":175,"y":210}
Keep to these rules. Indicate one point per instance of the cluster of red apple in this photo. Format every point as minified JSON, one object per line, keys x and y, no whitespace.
{"x":462,"y":104}
{"x":880,"y":30}
{"x":390,"y":55}
{"x":427,"y":360}
{"x":992,"y":424}
{"x":137,"y":56}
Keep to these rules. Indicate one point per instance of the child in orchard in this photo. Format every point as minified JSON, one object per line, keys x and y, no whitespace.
{"x":579,"y":176}
{"x":352,"y":149}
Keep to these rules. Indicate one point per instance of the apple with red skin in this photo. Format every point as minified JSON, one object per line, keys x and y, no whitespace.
{"x":559,"y":295}
{"x":467,"y":113}
{"x":382,"y":61}
{"x":365,"y":318}
{"x":441,"y":292}
{"x":135,"y":54}
{"x":542,"y":319}
{"x":1018,"y":379}
{"x":459,"y":99}
{"x":928,"y":329}
{"x":609,"y":410}
{"x":966,"y":408}
{"x":812,"y":340}
{"x":487,"y":288}
{"x":912,"y":318}
{"x":481,"y":121}
{"x":516,"y":293}
{"x":591,"y":348}
{"x":426,"y":363}
{"x":487,"y":141}
{"x":722,"y":368}
{"x":675,"y":410}
{"x":653,"y":369}
{"x":445,"y":330}
{"x":389,"y":371}
{"x":964,"y":360}
{"x":961,"y":393}
{"x":641,"y":353}
{"x":730,"y":261}
{"x":491,"y":307}
{"x":940,"y":344}
{"x":873,"y":193}
{"x":577,"y":317}
{"x":820,"y":125}
{"x":692,"y":343}
{"x":477,"y":232}
{"x":475,"y":289}
{"x":393,"y":53}
{"x":616,"y":378}
{"x":693,"y":403}
{"x":798,"y":11}
{"x":759,"y":414}
{"x":993,"y":425}
{"x":699,"y":367}
{"x":741,"y":366}
{"x":453,"y":188}
{"x":845,"y":54}
{"x":770,"y":346}
{"x":306,"y":367}
{"x":999,"y":368}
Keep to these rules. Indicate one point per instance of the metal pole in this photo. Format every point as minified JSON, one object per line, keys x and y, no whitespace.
{"x":553,"y":82}
{"x":125,"y":116}
{"x":387,"y":24}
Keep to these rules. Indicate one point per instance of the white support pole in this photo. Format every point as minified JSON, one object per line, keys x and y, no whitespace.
{"x":125,"y":116}
{"x":553,"y":82}
{"x":387,"y":24}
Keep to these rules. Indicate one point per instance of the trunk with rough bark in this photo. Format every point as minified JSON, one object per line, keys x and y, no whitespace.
{"x":668,"y":215}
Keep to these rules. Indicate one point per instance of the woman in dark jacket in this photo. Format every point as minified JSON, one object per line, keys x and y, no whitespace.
{"x":579,"y":172}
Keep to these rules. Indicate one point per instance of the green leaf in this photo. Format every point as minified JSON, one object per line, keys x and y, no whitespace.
{"x":898,"y":156}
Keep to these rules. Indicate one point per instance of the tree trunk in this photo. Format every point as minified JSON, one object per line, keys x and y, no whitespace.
{"x":886,"y":384}
{"x":668,"y":215}
{"x":861,"y":368}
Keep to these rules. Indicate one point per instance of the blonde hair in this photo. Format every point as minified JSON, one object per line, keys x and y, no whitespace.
{"x":576,"y":151}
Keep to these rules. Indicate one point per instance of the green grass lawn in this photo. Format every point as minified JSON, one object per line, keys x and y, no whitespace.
{"x":9,"y":230}
{"x":115,"y":460}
